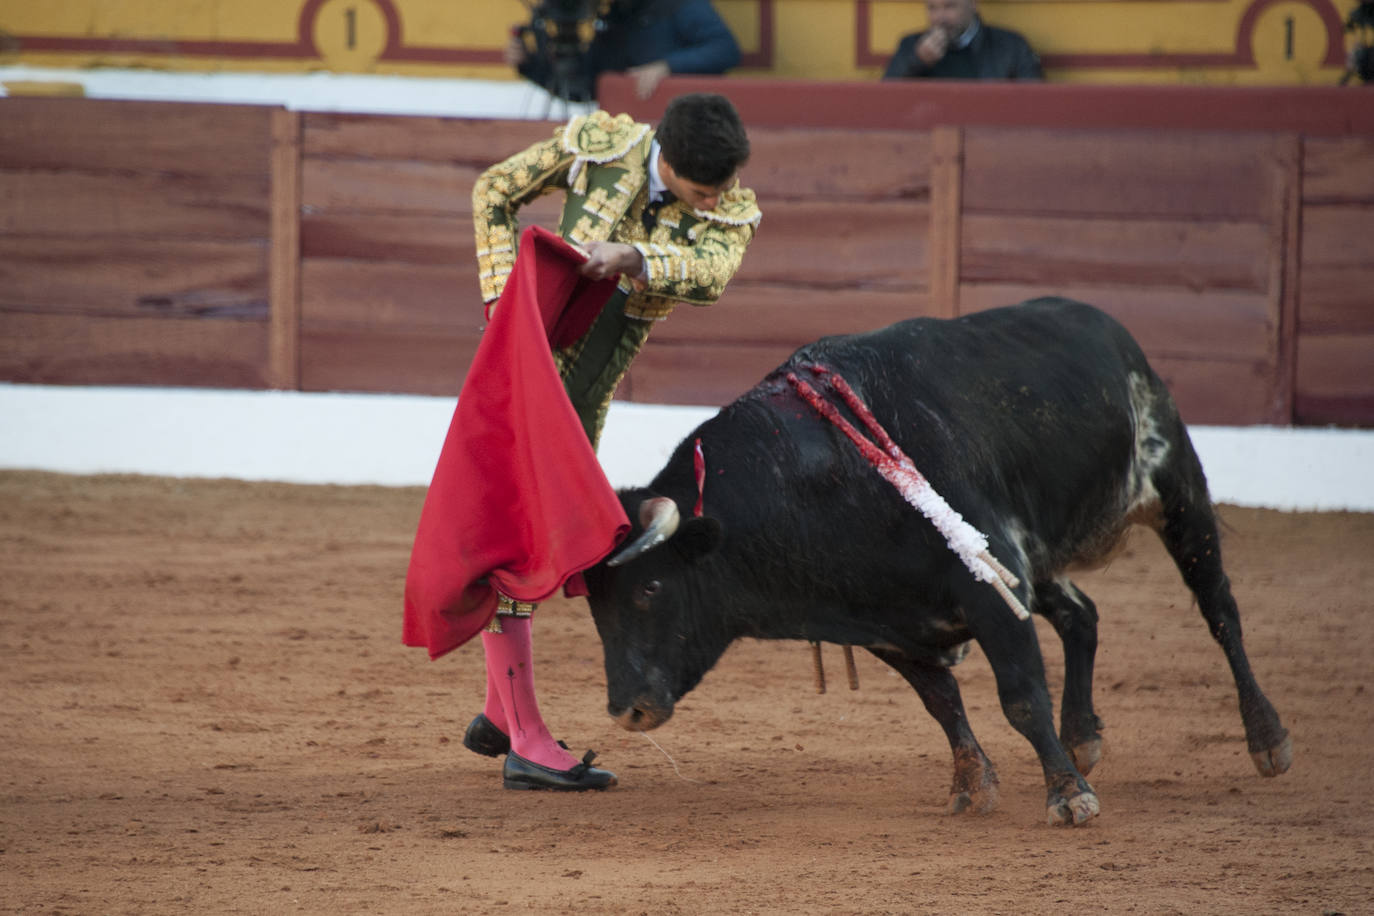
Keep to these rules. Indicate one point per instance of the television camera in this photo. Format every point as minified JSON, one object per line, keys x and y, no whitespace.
{"x":1361,"y":64}
{"x":556,"y":41}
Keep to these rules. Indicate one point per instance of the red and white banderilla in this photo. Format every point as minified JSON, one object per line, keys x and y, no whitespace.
{"x":970,"y":544}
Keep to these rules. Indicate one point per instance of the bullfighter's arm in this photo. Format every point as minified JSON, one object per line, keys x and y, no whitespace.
{"x":697,"y":273}
{"x":497,"y":197}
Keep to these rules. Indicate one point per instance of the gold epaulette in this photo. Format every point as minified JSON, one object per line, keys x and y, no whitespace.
{"x":737,"y":207}
{"x":599,"y":138}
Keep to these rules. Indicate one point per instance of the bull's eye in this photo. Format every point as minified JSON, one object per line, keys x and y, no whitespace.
{"x":644,"y":594}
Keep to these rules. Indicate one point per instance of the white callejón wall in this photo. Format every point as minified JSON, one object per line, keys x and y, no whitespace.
{"x":394,"y":440}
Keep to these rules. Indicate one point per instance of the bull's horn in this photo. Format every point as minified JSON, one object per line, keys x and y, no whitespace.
{"x":660,"y":517}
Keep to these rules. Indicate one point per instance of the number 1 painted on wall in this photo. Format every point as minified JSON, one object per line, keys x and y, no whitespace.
{"x":350,"y":35}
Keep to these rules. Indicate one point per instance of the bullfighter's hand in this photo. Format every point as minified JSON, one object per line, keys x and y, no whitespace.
{"x":610,"y":258}
{"x":648,"y":76}
{"x":932,"y":46}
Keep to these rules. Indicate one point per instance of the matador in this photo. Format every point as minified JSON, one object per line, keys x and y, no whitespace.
{"x":662,"y":209}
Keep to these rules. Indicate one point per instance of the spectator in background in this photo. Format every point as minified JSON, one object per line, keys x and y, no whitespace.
{"x":958,"y":45}
{"x":648,"y":39}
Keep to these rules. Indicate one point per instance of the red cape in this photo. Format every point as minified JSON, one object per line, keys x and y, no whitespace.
{"x":518,"y":502}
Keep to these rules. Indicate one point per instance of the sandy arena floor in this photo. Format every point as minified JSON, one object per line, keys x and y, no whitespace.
{"x":207,"y":708}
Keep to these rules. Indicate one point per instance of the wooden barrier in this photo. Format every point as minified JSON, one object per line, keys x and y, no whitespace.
{"x":241,"y":246}
{"x":1334,"y":286}
{"x":134,"y":242}
{"x":1232,"y":230}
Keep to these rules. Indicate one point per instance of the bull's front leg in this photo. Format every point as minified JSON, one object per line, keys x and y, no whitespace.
{"x":975,"y":782}
{"x":1074,"y":617}
{"x":1014,"y":654}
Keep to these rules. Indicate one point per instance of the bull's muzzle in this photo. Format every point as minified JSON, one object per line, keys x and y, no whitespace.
{"x":643,"y":716}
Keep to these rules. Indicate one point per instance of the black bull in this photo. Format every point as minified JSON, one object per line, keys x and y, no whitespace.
{"x":1041,"y":423}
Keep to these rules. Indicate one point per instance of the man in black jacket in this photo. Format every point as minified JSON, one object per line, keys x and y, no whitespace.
{"x":958,"y":45}
{"x":648,"y":39}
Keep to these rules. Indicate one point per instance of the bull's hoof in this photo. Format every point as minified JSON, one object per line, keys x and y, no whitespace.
{"x":1086,"y":754}
{"x":1276,"y":760}
{"x":1074,"y":811}
{"x":975,"y":782}
{"x":982,"y":800}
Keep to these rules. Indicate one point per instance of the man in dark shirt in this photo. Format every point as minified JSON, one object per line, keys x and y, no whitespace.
{"x":958,"y":45}
{"x":648,"y":39}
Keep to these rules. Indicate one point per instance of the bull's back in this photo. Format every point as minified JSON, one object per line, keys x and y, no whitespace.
{"x":1043,"y":342}
{"x":1029,"y":409}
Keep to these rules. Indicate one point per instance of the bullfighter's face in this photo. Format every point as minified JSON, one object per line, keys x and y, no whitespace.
{"x":693,"y":193}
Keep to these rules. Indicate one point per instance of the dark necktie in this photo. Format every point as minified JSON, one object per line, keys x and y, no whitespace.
{"x":650,"y":214}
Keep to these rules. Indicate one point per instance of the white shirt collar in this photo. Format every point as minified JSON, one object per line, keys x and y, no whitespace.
{"x":656,"y":185}
{"x":966,"y":39}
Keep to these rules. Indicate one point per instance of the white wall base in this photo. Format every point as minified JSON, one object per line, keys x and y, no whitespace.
{"x":394,"y":440}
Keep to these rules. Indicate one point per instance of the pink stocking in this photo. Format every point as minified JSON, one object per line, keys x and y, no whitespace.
{"x":493,"y":709}
{"x":510,"y":677}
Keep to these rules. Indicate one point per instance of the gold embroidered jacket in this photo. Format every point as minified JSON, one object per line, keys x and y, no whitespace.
{"x":602,"y":163}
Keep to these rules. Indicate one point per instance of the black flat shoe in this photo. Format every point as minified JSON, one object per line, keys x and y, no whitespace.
{"x":482,"y":737}
{"x":520,"y":773}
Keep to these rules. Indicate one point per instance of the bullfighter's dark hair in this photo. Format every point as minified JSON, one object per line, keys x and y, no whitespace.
{"x":703,"y":138}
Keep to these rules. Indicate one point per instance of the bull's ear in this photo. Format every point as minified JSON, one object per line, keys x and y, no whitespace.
{"x":697,"y":537}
